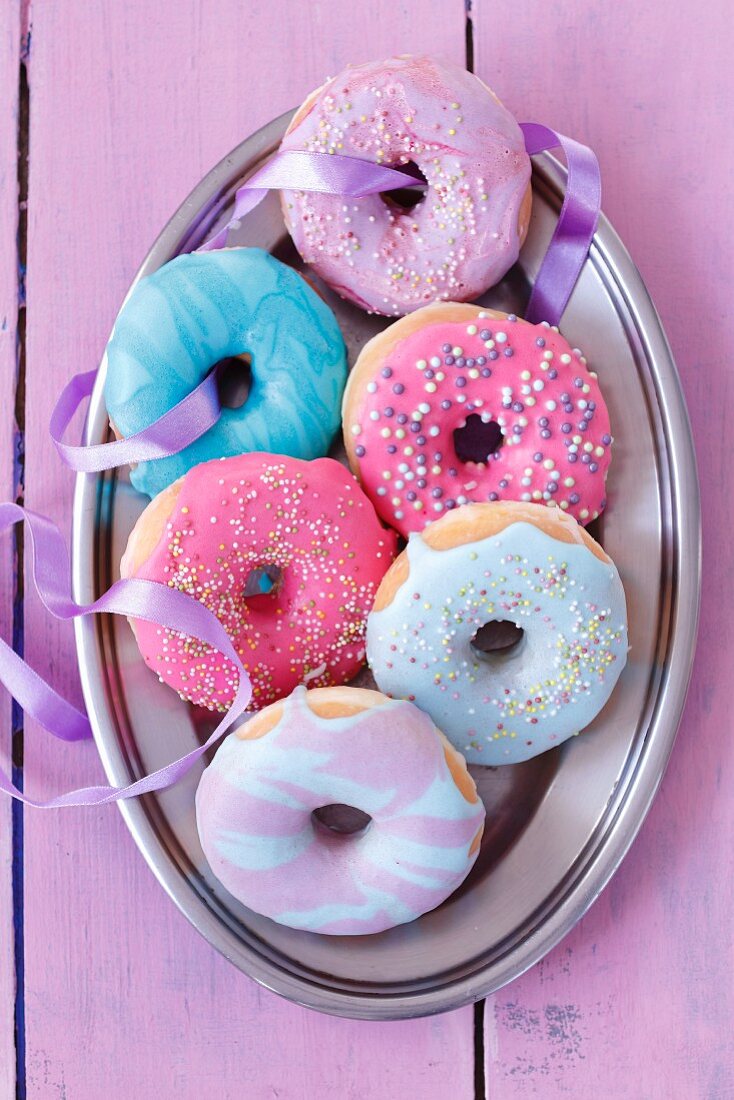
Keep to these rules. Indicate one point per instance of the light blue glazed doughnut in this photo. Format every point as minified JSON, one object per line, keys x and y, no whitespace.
{"x":565,"y":595}
{"x":204,"y":307}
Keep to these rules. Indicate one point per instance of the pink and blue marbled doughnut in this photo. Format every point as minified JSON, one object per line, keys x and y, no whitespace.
{"x":255,"y":802}
{"x":466,"y":231}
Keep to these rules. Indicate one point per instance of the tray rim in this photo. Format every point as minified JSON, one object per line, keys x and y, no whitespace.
{"x":633,"y":797}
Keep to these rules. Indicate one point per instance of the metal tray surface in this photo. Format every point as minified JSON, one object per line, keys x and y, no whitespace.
{"x":557,"y":826}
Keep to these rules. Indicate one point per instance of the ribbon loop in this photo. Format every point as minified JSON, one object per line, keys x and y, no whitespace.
{"x":572,"y":237}
{"x":175,"y":430}
{"x":138,"y":599}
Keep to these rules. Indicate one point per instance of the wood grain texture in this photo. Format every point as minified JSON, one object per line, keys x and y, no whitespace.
{"x":10,"y":34}
{"x":638,"y":1002}
{"x":130,"y":103}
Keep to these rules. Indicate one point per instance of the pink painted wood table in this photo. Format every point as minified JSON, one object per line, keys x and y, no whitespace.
{"x":119,"y":107}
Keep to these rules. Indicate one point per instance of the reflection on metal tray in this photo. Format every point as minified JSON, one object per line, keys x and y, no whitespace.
{"x":557,"y":826}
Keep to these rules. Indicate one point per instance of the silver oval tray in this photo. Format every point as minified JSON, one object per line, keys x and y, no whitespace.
{"x":557,"y":826}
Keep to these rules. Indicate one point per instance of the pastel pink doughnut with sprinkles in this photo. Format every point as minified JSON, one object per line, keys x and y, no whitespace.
{"x":287,"y":554}
{"x":465,"y":232}
{"x":457,"y":404}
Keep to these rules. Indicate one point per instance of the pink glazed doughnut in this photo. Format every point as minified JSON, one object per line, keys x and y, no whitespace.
{"x":288,"y":555}
{"x":463,"y":235}
{"x":412,"y":841}
{"x":457,"y":404}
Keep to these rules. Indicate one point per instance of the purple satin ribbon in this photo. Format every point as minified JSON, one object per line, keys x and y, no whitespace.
{"x":138,"y":599}
{"x":298,"y":170}
{"x":190,"y":418}
{"x":571,"y":240}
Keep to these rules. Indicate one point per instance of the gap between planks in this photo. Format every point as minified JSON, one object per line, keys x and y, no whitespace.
{"x":480,"y":1076}
{"x":17,"y":728}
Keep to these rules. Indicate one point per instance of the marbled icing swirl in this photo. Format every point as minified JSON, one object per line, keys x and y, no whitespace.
{"x":463,"y":236}
{"x":204,"y":307}
{"x":254,"y":806}
{"x":571,"y":607}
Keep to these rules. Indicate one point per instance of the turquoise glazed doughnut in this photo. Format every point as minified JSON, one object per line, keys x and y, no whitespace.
{"x":201,"y":308}
{"x":485,"y":563}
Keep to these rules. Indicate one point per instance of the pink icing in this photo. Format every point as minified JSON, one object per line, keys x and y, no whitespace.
{"x":463,"y":236}
{"x":308,"y":519}
{"x":254,"y":806}
{"x":527,"y":379}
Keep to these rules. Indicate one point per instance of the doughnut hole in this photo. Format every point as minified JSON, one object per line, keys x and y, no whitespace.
{"x":476,"y":440}
{"x":338,"y":819}
{"x":408,"y":197}
{"x":235,"y":380}
{"x":264,"y":580}
{"x":497,"y":641}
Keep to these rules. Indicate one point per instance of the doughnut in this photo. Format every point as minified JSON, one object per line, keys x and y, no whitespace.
{"x":338,"y":749}
{"x":205,"y":307}
{"x":518,"y":564}
{"x":457,"y":404}
{"x":287,"y":554}
{"x":463,"y":235}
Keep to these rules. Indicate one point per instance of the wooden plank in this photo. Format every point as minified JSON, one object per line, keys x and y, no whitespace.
{"x":130,"y":104}
{"x":638,"y":1002}
{"x":10,"y":41}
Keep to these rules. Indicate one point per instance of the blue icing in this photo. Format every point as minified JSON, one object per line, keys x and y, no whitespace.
{"x":262,"y":853}
{"x":439,"y":794}
{"x":203,"y":307}
{"x":571,"y":606}
{"x":375,"y":902}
